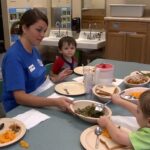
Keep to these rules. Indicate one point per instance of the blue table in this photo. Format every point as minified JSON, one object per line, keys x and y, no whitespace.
{"x":62,"y":131}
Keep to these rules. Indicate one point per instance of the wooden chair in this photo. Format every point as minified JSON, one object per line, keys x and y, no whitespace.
{"x":48,"y":67}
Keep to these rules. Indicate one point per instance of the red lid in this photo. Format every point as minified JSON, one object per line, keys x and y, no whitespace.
{"x":104,"y":66}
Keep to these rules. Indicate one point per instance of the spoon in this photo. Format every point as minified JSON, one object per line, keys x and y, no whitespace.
{"x":98,"y":131}
{"x":100,"y":107}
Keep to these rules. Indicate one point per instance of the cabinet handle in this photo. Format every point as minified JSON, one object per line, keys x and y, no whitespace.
{"x":131,"y":33}
{"x":122,"y":32}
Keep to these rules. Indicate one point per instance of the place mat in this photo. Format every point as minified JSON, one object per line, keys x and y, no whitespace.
{"x":55,"y":95}
{"x":70,"y":88}
{"x":32,"y":118}
{"x":8,"y":123}
{"x":117,"y":81}
{"x":88,"y":140}
{"x":126,"y":121}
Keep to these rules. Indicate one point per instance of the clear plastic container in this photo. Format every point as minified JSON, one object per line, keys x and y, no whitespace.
{"x":104,"y":74}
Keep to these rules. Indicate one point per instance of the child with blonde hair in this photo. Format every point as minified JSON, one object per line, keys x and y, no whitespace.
{"x":140,"y":139}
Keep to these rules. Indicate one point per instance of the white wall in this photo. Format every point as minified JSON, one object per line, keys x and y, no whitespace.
{"x":146,"y":2}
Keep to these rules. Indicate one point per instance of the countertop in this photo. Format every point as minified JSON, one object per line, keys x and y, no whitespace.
{"x":140,"y":19}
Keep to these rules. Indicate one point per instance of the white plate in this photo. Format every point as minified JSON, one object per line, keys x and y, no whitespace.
{"x":79,"y":70}
{"x":73,"y":88}
{"x":130,"y":90}
{"x":7,"y":123}
{"x":88,"y":139}
{"x":82,"y":104}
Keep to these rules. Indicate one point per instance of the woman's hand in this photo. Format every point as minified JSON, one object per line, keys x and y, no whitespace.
{"x":64,"y":104}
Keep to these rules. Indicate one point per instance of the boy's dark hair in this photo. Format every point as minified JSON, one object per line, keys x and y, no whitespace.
{"x":30,"y":17}
{"x":66,"y":39}
{"x":144,"y":101}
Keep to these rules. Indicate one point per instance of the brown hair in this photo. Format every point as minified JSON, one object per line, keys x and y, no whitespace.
{"x":30,"y":17}
{"x":145,"y":103}
{"x":66,"y":39}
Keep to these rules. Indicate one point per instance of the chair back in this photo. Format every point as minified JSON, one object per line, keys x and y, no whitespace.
{"x":48,"y":68}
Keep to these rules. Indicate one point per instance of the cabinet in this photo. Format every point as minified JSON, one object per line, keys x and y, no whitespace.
{"x":126,"y":40}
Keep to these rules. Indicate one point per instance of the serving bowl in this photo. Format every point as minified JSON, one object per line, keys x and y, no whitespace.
{"x":81,"y":104}
{"x":136,"y":80}
{"x":105,"y":96}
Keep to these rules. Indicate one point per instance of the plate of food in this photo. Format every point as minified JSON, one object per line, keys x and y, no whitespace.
{"x":88,"y":140}
{"x":85,"y":109}
{"x":132,"y":94}
{"x":137,"y":80}
{"x":104,"y":92}
{"x":80,"y":69}
{"x":142,"y":72}
{"x":11,"y":130}
{"x":70,"y":88}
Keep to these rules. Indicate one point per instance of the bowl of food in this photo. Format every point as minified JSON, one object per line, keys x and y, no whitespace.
{"x":85,"y":109}
{"x":104,"y":92}
{"x":133,"y":94}
{"x":137,"y":80}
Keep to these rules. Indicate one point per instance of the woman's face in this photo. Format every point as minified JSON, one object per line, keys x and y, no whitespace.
{"x":35,"y":33}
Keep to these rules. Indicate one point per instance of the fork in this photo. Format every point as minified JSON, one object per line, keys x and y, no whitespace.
{"x":66,"y":90}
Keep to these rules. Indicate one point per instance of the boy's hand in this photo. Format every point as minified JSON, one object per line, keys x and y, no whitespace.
{"x":103,"y":121}
{"x":65,"y":73}
{"x":116,"y":99}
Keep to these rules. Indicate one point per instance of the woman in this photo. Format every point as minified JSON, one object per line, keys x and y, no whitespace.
{"x":22,"y":68}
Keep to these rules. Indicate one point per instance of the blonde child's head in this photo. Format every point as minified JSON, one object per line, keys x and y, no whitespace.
{"x":144,"y":108}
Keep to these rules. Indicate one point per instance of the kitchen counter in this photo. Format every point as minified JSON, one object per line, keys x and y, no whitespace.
{"x":140,"y":19}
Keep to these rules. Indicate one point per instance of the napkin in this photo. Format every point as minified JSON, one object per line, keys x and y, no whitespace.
{"x":117,"y":81}
{"x":46,"y":85}
{"x":55,"y":95}
{"x":126,"y":121}
{"x":78,"y":79}
{"x":32,"y":118}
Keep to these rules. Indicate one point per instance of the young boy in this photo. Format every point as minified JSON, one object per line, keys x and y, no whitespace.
{"x":66,"y":62}
{"x":140,"y":139}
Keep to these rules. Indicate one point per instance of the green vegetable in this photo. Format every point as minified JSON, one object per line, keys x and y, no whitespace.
{"x":89,"y":111}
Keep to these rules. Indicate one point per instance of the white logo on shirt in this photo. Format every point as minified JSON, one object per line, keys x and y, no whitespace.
{"x":31,"y":68}
{"x":40,"y":62}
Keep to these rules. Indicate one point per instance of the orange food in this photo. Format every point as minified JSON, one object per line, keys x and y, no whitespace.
{"x":136,"y":94}
{"x":24,"y":144}
{"x":106,"y":134}
{"x":7,"y":136}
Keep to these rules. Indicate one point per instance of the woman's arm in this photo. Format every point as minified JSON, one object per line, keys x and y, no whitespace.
{"x":37,"y":101}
